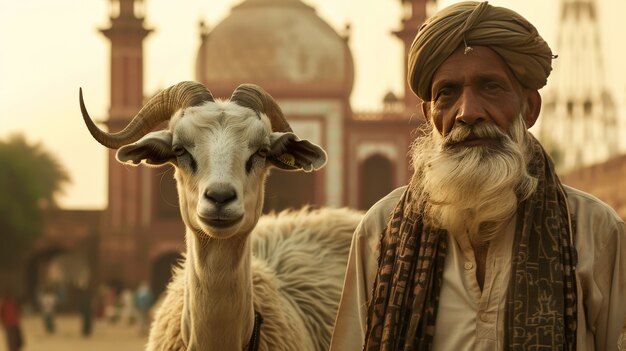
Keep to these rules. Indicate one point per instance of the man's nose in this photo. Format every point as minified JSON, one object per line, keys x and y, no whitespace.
{"x":471,"y":109}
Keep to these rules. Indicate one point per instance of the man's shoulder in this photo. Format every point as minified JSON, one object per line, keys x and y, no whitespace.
{"x":585,"y":204}
{"x":597,"y":224}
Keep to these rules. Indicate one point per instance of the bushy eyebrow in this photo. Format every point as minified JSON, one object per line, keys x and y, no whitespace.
{"x":445,"y":83}
{"x":481,"y":78}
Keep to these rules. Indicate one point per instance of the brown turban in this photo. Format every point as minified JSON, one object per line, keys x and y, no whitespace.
{"x":473,"y":23}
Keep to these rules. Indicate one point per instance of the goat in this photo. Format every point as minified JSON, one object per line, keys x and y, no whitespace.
{"x":222,"y":152}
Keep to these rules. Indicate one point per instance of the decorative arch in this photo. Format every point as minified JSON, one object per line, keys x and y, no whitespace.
{"x":35,"y":268}
{"x":384,"y":148}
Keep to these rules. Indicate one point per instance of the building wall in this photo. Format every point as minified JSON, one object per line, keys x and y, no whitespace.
{"x":605,"y":180}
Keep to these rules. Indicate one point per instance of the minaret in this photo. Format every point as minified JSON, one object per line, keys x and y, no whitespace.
{"x":126,"y":34}
{"x":578,"y":124}
{"x":415,"y":13}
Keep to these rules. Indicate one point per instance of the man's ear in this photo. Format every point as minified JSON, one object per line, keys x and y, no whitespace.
{"x":533,"y":103}
{"x":289,"y":153}
{"x":425,"y":105}
{"x":154,"y":148}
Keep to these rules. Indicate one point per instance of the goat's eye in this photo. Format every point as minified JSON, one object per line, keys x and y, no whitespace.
{"x":184,"y":158}
{"x":257,"y":158}
{"x":178,"y":150}
{"x":263,"y":152}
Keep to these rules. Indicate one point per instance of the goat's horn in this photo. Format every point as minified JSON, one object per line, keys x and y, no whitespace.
{"x":159,"y":108}
{"x":254,"y":97}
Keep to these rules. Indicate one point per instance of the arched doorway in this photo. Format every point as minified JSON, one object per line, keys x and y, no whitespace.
{"x":376,"y":180}
{"x":286,"y":189}
{"x":59,"y":270}
{"x":36,"y":271}
{"x":162,"y":271}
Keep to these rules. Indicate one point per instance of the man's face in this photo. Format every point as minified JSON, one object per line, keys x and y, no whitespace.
{"x":472,"y":167}
{"x":478,"y":87}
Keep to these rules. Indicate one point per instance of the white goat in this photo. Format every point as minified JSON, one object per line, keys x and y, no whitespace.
{"x":222,"y":151}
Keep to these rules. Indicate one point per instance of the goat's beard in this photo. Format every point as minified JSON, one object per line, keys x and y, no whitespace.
{"x":473,"y":190}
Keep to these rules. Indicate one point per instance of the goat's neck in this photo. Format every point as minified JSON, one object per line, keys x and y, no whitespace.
{"x":218,"y":313}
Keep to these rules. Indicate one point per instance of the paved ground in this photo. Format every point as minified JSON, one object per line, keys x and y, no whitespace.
{"x":105,"y":337}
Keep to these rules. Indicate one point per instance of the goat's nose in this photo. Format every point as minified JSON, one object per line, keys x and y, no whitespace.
{"x":221,"y":196}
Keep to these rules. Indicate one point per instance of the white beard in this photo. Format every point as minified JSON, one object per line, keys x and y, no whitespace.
{"x":473,"y":190}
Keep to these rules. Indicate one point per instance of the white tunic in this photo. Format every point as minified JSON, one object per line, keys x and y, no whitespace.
{"x":471,"y":319}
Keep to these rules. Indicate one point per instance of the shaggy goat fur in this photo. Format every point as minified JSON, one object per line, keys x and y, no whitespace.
{"x":298,"y":266}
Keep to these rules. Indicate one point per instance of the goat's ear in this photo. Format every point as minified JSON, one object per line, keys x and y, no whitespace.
{"x":289,"y":153}
{"x":154,"y":148}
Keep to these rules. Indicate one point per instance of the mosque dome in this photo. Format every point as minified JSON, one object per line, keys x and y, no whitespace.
{"x":281,"y":45}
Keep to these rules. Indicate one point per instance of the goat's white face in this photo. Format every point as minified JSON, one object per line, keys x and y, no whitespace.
{"x":222,"y":153}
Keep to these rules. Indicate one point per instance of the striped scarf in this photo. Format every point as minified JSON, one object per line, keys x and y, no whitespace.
{"x":403,"y":308}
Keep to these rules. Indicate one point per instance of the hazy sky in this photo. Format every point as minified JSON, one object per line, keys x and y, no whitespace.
{"x":50,"y":48}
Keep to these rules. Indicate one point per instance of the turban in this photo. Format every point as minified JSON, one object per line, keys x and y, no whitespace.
{"x":477,"y":23}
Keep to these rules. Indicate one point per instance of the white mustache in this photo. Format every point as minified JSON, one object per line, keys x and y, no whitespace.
{"x":463,"y":132}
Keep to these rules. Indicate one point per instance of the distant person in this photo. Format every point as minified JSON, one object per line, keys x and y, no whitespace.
{"x":48,"y":303}
{"x":111,"y":305}
{"x":127,"y":306}
{"x":10,"y":318}
{"x":144,"y":301}
{"x":86,"y":309}
{"x":61,"y":293}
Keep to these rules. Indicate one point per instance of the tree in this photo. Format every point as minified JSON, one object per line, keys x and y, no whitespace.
{"x":30,"y":177}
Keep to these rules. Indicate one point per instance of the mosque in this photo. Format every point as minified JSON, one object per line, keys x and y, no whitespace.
{"x":307,"y":66}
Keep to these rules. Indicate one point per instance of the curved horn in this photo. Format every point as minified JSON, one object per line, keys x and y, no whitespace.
{"x":254,"y":97}
{"x":159,"y":108}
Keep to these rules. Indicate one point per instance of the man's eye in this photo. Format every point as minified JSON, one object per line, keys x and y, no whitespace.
{"x":444,"y":93}
{"x":492,"y":86}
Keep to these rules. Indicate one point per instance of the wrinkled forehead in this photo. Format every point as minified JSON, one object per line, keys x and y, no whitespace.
{"x":479,"y":61}
{"x":199,"y":123}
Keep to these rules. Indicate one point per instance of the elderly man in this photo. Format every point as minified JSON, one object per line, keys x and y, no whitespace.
{"x":484,"y":249}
